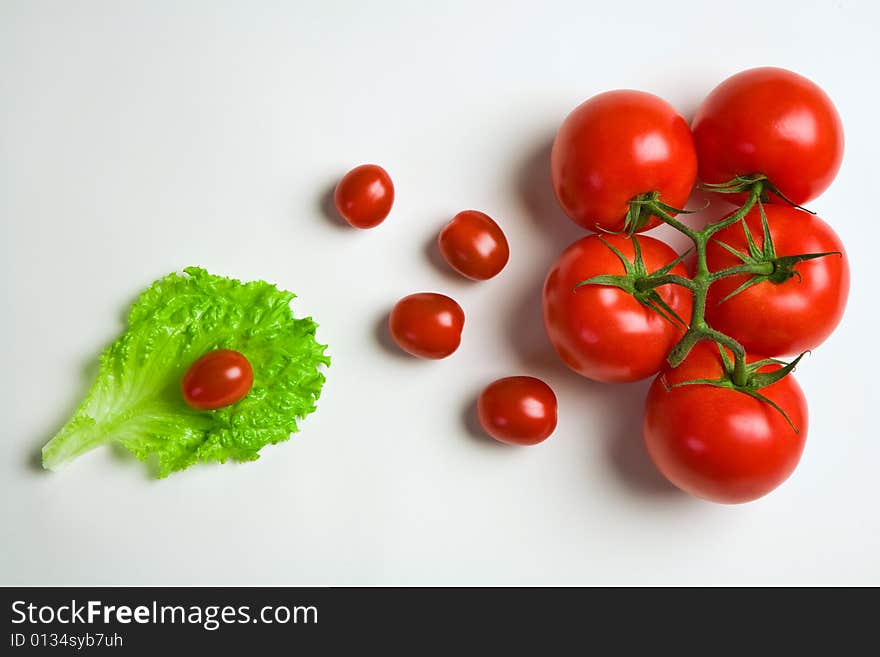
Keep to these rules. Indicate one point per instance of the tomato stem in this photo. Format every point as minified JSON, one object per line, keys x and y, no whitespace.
{"x":698,"y":328}
{"x":644,"y":284}
{"x":759,"y":269}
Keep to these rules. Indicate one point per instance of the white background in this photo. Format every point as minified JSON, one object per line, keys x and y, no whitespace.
{"x":140,"y":137}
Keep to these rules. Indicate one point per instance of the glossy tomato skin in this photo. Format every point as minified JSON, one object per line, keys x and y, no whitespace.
{"x":616,"y":146}
{"x":427,"y":325}
{"x":219,"y":378}
{"x":364,"y":196}
{"x":602,"y":332}
{"x":518,"y":410}
{"x":474,"y":245}
{"x":720,"y":444}
{"x":773,"y":122}
{"x":779,"y":319}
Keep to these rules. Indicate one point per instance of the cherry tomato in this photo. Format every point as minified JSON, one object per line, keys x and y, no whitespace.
{"x":217,"y":379}
{"x":616,"y":146}
{"x":773,"y":122}
{"x":604,"y":333}
{"x":784,"y":318}
{"x":519,"y":410}
{"x":718,"y":443}
{"x":364,"y":196}
{"x":427,"y":325}
{"x":474,"y":245}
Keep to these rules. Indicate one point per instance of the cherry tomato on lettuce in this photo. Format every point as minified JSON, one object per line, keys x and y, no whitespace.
{"x":364,"y":196}
{"x":474,"y":245}
{"x":616,"y":146}
{"x":721,"y":444}
{"x":518,"y":410}
{"x":798,"y":312}
{"x":603,"y":332}
{"x":773,"y":122}
{"x":219,"y":378}
{"x":427,"y":325}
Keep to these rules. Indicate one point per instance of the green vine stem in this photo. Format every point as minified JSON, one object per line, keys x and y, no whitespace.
{"x":698,"y":328}
{"x":758,"y":264}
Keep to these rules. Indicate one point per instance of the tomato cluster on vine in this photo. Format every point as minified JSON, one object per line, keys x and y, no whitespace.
{"x":724,"y":418}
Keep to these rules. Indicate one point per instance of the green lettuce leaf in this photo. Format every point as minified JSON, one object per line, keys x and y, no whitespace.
{"x":136,"y":399}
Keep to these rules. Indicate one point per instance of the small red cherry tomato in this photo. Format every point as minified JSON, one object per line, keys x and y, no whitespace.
{"x":427,"y":325}
{"x":474,"y":245}
{"x":217,"y":379}
{"x":364,"y":196}
{"x":518,"y":410}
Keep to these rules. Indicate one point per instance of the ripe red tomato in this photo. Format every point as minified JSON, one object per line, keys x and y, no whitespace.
{"x":779,"y":319}
{"x":718,"y":443}
{"x":616,"y":146}
{"x":773,"y":122}
{"x":364,"y":196}
{"x":518,"y":410}
{"x":217,"y":379}
{"x":474,"y":245}
{"x":603,"y":333}
{"x":427,"y":325}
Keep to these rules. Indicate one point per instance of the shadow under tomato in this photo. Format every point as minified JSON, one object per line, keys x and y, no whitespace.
{"x":470,"y":421}
{"x":621,"y":405}
{"x":534,"y":187}
{"x":625,"y":447}
{"x":524,"y":323}
{"x":383,"y":338}
{"x":615,"y":412}
{"x":327,"y":208}
{"x":438,"y":262}
{"x":525,"y":328}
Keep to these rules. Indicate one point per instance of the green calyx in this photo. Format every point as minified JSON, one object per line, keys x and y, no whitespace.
{"x":644,"y":206}
{"x":760,"y":264}
{"x":738,"y":375}
{"x":638,"y":282}
{"x":740,"y":184}
{"x":753,"y":382}
{"x":761,"y":261}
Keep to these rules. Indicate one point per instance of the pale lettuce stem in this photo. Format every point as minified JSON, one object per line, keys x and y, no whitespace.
{"x":78,"y":437}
